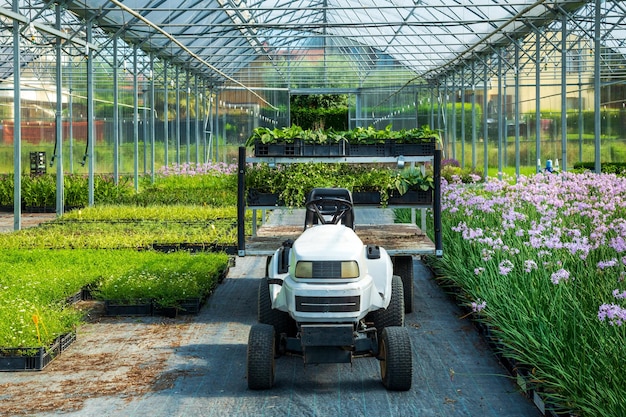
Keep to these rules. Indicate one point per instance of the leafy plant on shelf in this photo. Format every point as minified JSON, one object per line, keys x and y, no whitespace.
{"x":411,"y":179}
{"x":293,"y":182}
{"x":419,"y":134}
{"x":359,"y":135}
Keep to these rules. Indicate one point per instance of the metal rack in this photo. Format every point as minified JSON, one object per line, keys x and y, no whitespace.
{"x":398,"y":239}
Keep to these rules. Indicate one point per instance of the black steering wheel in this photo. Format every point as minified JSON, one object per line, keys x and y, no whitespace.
{"x":327,"y":206}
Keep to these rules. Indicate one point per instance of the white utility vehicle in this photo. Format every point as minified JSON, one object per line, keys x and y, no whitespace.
{"x":329,"y":298}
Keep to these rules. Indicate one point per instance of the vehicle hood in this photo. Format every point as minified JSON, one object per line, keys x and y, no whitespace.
{"x":328,"y":242}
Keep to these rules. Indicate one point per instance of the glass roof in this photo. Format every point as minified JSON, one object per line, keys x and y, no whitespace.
{"x":328,"y":44}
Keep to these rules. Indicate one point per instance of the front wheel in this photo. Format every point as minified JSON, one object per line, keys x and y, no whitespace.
{"x":261,"y":352}
{"x":393,"y":315}
{"x":396,"y":359}
{"x":280,"y":320}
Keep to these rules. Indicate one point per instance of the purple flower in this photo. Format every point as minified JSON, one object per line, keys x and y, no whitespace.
{"x":612,"y":313}
{"x":505,"y":266}
{"x":560,"y":275}
{"x":529,"y":265}
{"x":478,"y":305}
{"x":607,"y":264}
{"x":618,"y":243}
{"x":619,"y":295}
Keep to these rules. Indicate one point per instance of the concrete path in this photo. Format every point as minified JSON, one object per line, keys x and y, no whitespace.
{"x":7,"y":220}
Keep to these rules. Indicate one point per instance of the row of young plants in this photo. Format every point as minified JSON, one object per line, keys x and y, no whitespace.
{"x":35,"y":285}
{"x":213,"y":184}
{"x":133,"y":227}
{"x":359,"y":135}
{"x":542,"y":264}
{"x":38,"y":283}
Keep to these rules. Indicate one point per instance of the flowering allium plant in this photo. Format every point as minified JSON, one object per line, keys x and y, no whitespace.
{"x":546,"y":253}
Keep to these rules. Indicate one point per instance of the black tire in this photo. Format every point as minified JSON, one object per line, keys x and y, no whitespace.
{"x":280,"y":320}
{"x":393,"y":315}
{"x":396,"y":359}
{"x":403,"y":266}
{"x":261,"y":352}
{"x":267,"y":266}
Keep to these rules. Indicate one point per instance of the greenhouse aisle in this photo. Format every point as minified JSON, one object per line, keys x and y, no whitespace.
{"x":195,"y":366}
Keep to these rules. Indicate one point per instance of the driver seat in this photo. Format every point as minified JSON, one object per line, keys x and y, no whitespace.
{"x":316,"y":193}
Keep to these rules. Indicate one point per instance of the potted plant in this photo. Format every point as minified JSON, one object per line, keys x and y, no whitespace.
{"x":417,"y":142}
{"x":263,"y":184}
{"x":411,"y":186}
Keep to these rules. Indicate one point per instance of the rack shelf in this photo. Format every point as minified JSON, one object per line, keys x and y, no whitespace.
{"x":397,"y":239}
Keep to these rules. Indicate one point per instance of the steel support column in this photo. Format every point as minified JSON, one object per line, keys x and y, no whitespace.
{"x":474,"y":133}
{"x":17,"y":123}
{"x":597,"y":51}
{"x":485,"y":119}
{"x":463,"y":117}
{"x":58,"y":117}
{"x":538,"y":99}
{"x":152,"y":119}
{"x":187,"y":117}
{"x":197,"y":124}
{"x":500,"y":114}
{"x":564,"y":92}
{"x":516,"y":109}
{"x":135,"y":119}
{"x":91,"y":137}
{"x":116,"y":115}
{"x":177,"y":115}
{"x":166,"y":126}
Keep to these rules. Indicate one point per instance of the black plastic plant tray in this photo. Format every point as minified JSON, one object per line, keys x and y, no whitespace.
{"x":134,"y":308}
{"x":34,"y":359}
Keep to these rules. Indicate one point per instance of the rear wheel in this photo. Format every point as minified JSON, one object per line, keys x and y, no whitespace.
{"x":403,"y":266}
{"x":396,"y":360}
{"x":393,"y":315}
{"x":261,"y":352}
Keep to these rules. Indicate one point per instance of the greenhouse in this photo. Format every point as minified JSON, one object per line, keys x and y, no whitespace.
{"x":458,"y":165}
{"x":114,"y":87}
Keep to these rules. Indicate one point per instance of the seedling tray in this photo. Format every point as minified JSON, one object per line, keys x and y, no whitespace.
{"x":34,"y":359}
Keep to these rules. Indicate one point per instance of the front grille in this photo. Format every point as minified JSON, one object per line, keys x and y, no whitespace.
{"x":327,"y":269}
{"x":328,"y":304}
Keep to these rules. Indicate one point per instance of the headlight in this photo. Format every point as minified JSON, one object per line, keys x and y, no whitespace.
{"x":327,"y":269}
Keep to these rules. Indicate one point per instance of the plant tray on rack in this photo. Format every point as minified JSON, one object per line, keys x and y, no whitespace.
{"x":373,"y":149}
{"x":366,"y":197}
{"x":418,"y":197}
{"x":276,"y":149}
{"x":425,"y":148}
{"x":334,"y":149}
{"x":34,"y":359}
{"x":257,"y":198}
{"x":190,"y":305}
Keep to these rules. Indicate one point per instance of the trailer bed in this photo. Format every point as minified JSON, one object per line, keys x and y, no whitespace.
{"x":396,"y":238}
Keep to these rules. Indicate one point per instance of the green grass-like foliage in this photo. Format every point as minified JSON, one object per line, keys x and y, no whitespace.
{"x":35,"y":284}
{"x":541,"y":262}
{"x":132,"y":227}
{"x":166,"y":283}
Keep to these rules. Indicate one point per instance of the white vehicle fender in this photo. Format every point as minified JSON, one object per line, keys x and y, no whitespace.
{"x":381,"y":271}
{"x":277,"y":296}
